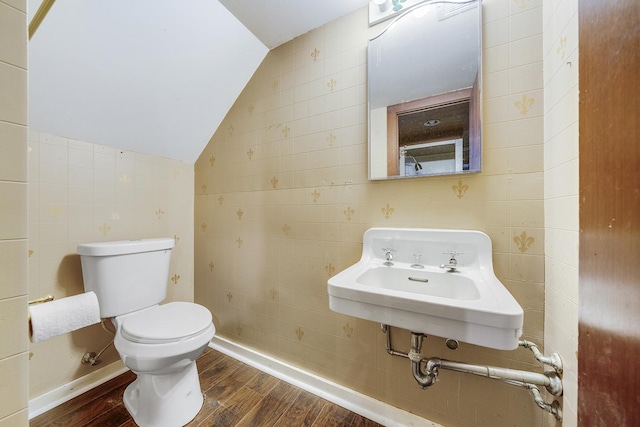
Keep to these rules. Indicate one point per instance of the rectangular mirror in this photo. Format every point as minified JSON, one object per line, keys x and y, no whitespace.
{"x":424,"y":90}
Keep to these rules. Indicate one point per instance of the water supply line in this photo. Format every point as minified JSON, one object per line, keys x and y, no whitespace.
{"x":425,"y":370}
{"x":387,"y":330}
{"x":554,"y":361}
{"x":91,"y":358}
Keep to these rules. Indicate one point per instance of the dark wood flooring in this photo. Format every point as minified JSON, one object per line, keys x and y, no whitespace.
{"x":235,"y":395}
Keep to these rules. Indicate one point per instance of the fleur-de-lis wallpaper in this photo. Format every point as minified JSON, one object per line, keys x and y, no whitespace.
{"x":523,"y":241}
{"x":330,"y":269}
{"x":307,"y":199}
{"x":348,"y":213}
{"x":282,"y":275}
{"x":54,"y":211}
{"x":562,"y":47}
{"x":348,"y":330}
{"x":525,"y":104}
{"x":315,"y":54}
{"x":460,"y":189}
{"x":387,"y":211}
{"x":104,"y":229}
{"x":96,"y":194}
{"x":331,"y":139}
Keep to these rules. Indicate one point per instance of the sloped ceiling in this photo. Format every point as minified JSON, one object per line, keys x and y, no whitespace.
{"x":155,"y":77}
{"x":277,"y":21}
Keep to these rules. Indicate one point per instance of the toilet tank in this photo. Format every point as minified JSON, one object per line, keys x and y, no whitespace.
{"x":126,"y":275}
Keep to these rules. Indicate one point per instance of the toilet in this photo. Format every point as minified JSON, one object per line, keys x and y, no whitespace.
{"x":158,"y":342}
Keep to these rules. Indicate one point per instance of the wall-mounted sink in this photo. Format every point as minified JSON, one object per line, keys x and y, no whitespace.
{"x":468,"y":304}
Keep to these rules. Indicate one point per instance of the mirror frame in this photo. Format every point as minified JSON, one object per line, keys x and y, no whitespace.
{"x":472,"y":94}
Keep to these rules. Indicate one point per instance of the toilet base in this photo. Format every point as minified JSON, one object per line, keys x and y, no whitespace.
{"x":165,"y":400}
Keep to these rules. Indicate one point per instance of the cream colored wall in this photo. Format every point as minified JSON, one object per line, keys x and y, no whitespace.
{"x":282,"y":201}
{"x":14,"y":357}
{"x":81,"y":192}
{"x":560,"y":23}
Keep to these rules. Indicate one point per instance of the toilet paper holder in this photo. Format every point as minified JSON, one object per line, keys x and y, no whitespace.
{"x":46,"y":298}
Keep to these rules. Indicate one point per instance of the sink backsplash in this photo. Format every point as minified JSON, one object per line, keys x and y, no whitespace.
{"x":433,"y":245}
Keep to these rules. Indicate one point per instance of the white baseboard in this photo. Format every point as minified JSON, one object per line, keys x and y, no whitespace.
{"x":53,"y":398}
{"x":361,"y":404}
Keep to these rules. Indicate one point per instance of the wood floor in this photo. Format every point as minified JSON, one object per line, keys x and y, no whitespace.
{"x":235,"y":395}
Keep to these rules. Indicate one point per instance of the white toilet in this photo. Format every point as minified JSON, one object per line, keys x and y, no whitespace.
{"x":159,"y":343}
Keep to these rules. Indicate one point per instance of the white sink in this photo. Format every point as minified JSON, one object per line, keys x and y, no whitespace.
{"x":437,"y":284}
{"x":469,"y":304}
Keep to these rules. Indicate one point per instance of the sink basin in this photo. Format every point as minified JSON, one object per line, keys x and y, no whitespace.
{"x":468,"y":304}
{"x":421,"y":282}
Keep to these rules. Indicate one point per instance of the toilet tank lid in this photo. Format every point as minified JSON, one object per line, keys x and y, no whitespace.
{"x":123,"y":247}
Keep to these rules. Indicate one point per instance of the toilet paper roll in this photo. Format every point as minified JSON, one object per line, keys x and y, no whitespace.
{"x":63,"y":315}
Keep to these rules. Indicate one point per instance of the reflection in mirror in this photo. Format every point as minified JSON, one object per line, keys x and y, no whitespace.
{"x":424,"y":92}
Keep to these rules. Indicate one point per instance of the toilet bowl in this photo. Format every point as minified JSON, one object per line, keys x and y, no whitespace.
{"x":158,"y":342}
{"x":160,"y":345}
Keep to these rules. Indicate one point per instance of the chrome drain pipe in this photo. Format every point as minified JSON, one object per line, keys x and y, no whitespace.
{"x":428,"y":375}
{"x":550,"y":380}
{"x":553,"y":408}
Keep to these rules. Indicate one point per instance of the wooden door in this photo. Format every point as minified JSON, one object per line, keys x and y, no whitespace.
{"x":609,"y":271}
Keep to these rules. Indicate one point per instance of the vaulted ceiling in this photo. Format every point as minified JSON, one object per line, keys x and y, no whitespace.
{"x":155,"y":77}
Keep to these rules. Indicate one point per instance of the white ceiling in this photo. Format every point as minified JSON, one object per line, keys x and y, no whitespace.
{"x":277,"y":21}
{"x":155,"y":77}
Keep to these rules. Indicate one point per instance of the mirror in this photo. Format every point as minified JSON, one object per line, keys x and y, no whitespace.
{"x":424,"y":87}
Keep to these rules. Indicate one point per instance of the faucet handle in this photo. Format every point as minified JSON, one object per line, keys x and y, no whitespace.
{"x":388,"y":257}
{"x":453,"y":262}
{"x":453,"y":254}
{"x":387,"y":251}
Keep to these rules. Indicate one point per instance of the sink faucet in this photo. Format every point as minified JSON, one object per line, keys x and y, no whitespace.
{"x":452,"y":266}
{"x":417,"y":264}
{"x":388,"y":256}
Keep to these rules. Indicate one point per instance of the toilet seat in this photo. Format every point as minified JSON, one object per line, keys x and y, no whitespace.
{"x":171,"y":322}
{"x":160,"y":331}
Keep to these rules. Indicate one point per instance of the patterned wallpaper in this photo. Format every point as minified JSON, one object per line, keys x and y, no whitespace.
{"x":282,"y":201}
{"x":81,"y":192}
{"x":560,"y":23}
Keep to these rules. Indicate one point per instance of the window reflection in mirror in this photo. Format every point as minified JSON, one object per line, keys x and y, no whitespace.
{"x":424,"y":93}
